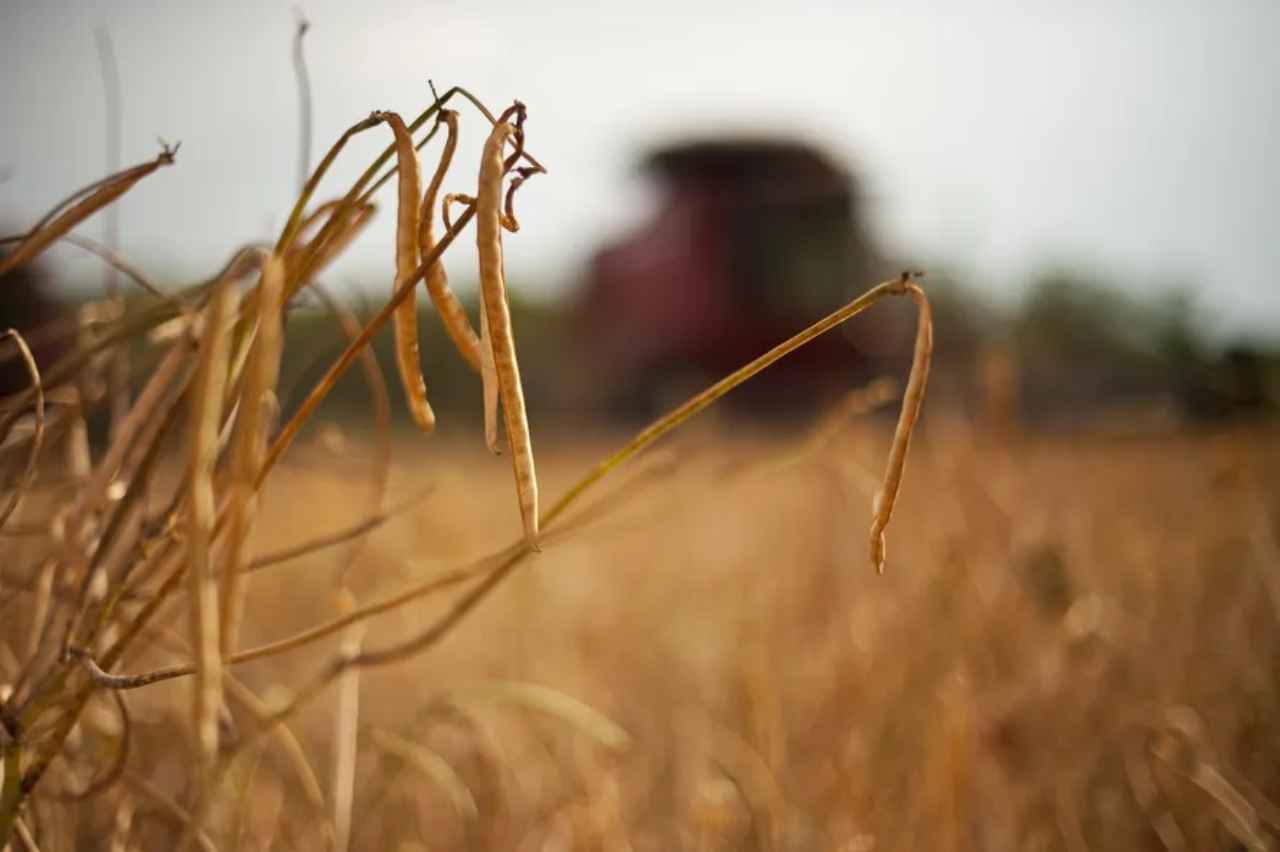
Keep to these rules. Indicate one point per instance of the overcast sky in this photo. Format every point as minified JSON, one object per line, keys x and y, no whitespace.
{"x":1137,"y":138}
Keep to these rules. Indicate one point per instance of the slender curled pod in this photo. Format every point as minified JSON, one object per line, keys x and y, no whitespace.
{"x":497,"y":322}
{"x":488,"y":373}
{"x":488,"y":380}
{"x":509,"y":220}
{"x":406,"y":318}
{"x":452,"y":314}
{"x":912,"y":399}
{"x":450,"y":199}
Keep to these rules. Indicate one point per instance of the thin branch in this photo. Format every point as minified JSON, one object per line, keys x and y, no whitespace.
{"x":97,"y":195}
{"x":334,"y":539}
{"x":109,"y":681}
{"x":118,"y":262}
{"x":704,"y":399}
{"x":437,"y":583}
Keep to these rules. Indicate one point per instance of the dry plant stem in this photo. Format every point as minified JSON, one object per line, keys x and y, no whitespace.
{"x":168,"y":555}
{"x":53,"y":681}
{"x":406,"y":324}
{"x":345,"y":740}
{"x":452,"y":314}
{"x":119,"y":263}
{"x":257,"y":401}
{"x":26,"y":781}
{"x":92,"y":496}
{"x":322,"y":388}
{"x":239,"y":693}
{"x":343,"y":224}
{"x":498,"y":319}
{"x":37,"y":439}
{"x":511,"y":557}
{"x":446,"y":580}
{"x":651,"y":470}
{"x":117,"y":528}
{"x":119,"y":683}
{"x":67,"y":367}
{"x":830,"y":425}
{"x":334,"y":539}
{"x":53,"y":212}
{"x":295,"y":217}
{"x":316,"y":255}
{"x":45,"y":695}
{"x":912,"y":400}
{"x":108,"y":190}
{"x":206,"y":413}
{"x":704,"y":399}
{"x":316,"y":217}
{"x":152,"y":438}
{"x":25,"y":837}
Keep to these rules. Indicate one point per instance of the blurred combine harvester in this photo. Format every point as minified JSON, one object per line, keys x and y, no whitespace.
{"x":753,"y":239}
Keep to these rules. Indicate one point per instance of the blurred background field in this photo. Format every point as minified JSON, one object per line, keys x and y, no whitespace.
{"x":1076,"y":644}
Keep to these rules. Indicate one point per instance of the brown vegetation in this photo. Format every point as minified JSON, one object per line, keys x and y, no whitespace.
{"x":105,"y":545}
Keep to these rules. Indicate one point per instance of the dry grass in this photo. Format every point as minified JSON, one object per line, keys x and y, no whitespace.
{"x":1048,"y":665}
{"x":1077,"y":646}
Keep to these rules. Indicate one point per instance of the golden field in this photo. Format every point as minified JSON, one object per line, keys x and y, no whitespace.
{"x":230,"y":625}
{"x":1075,"y":646}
